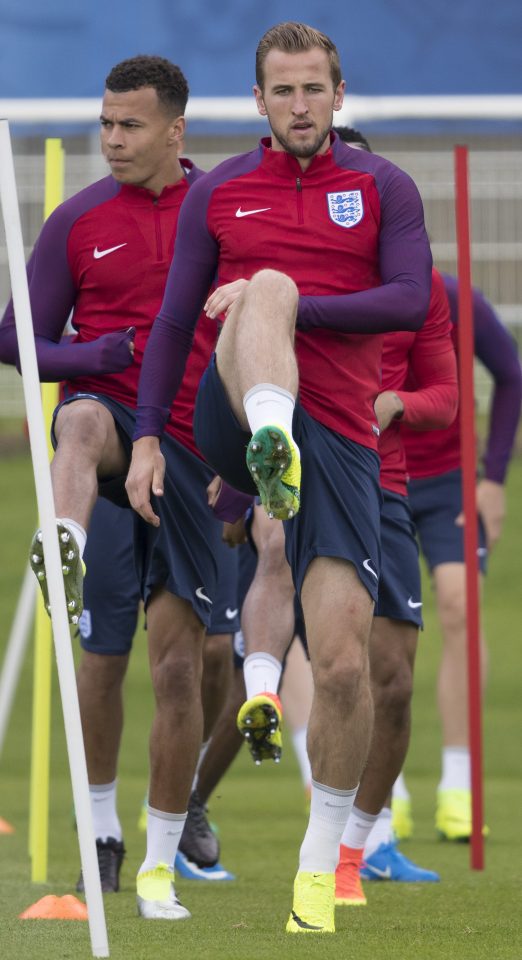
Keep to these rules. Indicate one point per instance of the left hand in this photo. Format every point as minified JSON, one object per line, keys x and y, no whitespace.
{"x":224,"y":298}
{"x":146,"y":473}
{"x":234,"y":534}
{"x":491,"y":505}
{"x":388,"y":406}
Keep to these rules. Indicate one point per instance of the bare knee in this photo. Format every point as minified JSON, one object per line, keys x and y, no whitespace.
{"x":276,"y":285}
{"x":392,"y":689}
{"x":452,"y":610}
{"x":342,"y":678}
{"x":217,"y":653}
{"x":101,"y":674}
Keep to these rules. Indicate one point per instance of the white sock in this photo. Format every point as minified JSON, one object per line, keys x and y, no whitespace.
{"x":79,"y":534}
{"x":329,"y":811}
{"x":456,"y":769}
{"x":262,"y":673}
{"x":104,"y":816}
{"x":163,"y":835}
{"x":202,"y":752}
{"x":400,"y":790}
{"x":358,"y":828}
{"x":267,"y":404}
{"x":299,"y":742}
{"x":382,"y":832}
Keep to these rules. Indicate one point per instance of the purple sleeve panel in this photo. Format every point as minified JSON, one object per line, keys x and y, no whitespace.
{"x":496,"y":349}
{"x":52,"y":294}
{"x":231,"y":504}
{"x":189,"y":280}
{"x":405,"y":262}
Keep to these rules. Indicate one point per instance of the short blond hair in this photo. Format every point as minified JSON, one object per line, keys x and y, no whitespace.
{"x":291,"y":37}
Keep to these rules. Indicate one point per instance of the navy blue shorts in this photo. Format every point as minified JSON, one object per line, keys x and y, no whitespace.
{"x":400,"y":581}
{"x":180,"y":555}
{"x":226,"y":608}
{"x":435,"y":504}
{"x":340,"y":493}
{"x":111,"y":591}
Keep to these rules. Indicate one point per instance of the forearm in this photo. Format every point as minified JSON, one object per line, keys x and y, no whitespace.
{"x":392,"y":306}
{"x":432,"y":408}
{"x":161,"y":374}
{"x":503,"y":425}
{"x":66,"y":360}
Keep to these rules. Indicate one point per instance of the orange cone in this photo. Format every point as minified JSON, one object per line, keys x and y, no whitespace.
{"x":6,"y":827}
{"x":56,"y":908}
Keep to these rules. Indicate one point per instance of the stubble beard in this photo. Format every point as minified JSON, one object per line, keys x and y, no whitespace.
{"x":304,"y":151}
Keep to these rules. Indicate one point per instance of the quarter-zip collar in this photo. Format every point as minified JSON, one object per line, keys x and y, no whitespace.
{"x":283,"y":165}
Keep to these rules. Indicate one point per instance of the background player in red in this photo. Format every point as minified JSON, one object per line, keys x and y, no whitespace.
{"x":435,"y":495}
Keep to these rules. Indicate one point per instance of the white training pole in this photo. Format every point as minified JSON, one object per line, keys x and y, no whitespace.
{"x":53,"y":566}
{"x":16,"y":649}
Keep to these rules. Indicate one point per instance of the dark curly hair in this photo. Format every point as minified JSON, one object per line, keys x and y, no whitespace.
{"x":349,"y":135}
{"x":150,"y":71}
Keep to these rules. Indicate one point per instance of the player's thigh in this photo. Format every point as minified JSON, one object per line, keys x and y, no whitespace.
{"x":338,"y":611}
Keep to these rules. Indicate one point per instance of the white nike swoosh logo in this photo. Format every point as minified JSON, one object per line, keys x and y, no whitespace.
{"x":230,"y":614}
{"x":366,"y":565}
{"x":248,"y":213}
{"x":98,"y":254}
{"x":414,"y":604}
{"x":201,"y":595}
{"x":385,"y":874}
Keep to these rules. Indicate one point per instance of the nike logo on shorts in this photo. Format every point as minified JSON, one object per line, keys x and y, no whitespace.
{"x":414,"y":604}
{"x":366,"y":565}
{"x":201,"y":596}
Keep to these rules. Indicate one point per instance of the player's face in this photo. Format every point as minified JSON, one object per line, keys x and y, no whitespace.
{"x":139,"y":139}
{"x":299,"y":98}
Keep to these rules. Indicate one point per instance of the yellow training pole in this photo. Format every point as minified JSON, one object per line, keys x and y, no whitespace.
{"x":40,"y":751}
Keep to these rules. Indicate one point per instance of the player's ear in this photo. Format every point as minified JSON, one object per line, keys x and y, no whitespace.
{"x":176,"y":131}
{"x":339,"y":95}
{"x":260,"y":103}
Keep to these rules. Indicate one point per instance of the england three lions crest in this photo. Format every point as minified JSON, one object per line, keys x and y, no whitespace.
{"x":345,"y":209}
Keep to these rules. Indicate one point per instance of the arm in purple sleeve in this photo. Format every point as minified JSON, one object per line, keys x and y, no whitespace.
{"x":190,"y":277}
{"x":497,"y":350}
{"x":52,"y":296}
{"x":231,"y":504}
{"x":401,"y":302}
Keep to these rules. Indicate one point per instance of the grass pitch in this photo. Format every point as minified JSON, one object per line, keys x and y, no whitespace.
{"x":260,"y":813}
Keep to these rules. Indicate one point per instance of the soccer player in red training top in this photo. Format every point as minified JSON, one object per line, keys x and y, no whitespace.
{"x":331,"y":241}
{"x":426,"y":361}
{"x":105,"y":253}
{"x":435,"y":496}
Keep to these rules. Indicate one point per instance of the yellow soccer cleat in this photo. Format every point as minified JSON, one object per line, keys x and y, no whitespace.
{"x":156,"y":897}
{"x":402,"y":820}
{"x":274,"y":463}
{"x":313,"y":909}
{"x":453,"y":819}
{"x":348,"y":887}
{"x":73,"y":570}
{"x":259,"y":722}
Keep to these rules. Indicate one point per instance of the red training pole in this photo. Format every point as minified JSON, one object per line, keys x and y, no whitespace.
{"x":468,"y":458}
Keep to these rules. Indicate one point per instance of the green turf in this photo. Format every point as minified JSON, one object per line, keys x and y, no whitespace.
{"x":470,"y":915}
